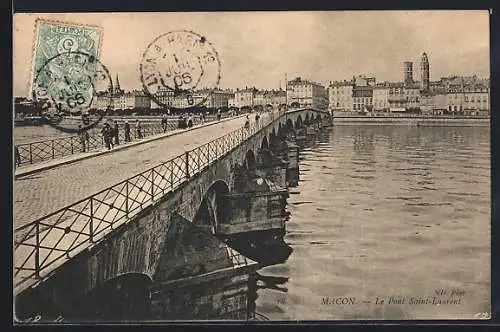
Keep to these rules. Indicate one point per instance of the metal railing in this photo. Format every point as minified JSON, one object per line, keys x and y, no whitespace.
{"x":39,"y":151}
{"x":44,"y":244}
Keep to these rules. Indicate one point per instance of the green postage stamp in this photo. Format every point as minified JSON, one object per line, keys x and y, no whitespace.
{"x":67,"y":73}
{"x":54,"y":37}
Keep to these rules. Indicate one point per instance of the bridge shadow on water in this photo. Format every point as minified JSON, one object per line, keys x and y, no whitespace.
{"x":273,"y":258}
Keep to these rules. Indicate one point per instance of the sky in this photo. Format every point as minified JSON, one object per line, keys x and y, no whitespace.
{"x":258,"y":48}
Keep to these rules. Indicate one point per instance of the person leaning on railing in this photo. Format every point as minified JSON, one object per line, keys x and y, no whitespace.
{"x":247,"y":122}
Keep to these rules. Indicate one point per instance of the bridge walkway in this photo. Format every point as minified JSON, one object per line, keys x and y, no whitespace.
{"x":40,"y":193}
{"x":59,"y":160}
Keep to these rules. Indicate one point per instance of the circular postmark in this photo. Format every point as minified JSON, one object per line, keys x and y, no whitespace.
{"x":68,"y":86}
{"x":180,"y":69}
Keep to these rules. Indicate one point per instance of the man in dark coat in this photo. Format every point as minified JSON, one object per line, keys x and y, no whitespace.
{"x":116,"y":133}
{"x":127,"y":131}
{"x":106,"y":134}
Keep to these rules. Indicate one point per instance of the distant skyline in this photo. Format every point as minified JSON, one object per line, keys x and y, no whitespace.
{"x":258,"y":48}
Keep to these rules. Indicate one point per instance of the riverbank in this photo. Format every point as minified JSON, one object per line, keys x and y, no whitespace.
{"x":413,"y":120}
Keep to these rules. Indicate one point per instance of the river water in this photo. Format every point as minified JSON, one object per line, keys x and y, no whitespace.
{"x":387,"y":211}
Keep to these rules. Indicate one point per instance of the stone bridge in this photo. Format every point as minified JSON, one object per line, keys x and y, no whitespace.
{"x":189,"y":197}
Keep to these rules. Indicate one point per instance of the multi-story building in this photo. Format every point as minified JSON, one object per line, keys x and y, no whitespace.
{"x":244,"y":97}
{"x":306,"y":94}
{"x":208,"y":98}
{"x":212,"y":98}
{"x":131,"y":100}
{"x":467,"y":102}
{"x":258,"y":98}
{"x":426,"y":104}
{"x":272,"y":98}
{"x":220,"y":98}
{"x":340,"y":96}
{"x":412,"y":93}
{"x":362,"y":97}
{"x":435,"y":87}
{"x":381,"y":97}
{"x":439,"y":103}
{"x":363,"y":80}
{"x":397,"y":97}
{"x":465,"y":94}
{"x":102,"y":101}
{"x":276,"y":98}
{"x":123,"y":101}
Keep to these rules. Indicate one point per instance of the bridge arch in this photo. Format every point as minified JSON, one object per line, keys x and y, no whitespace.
{"x":299,"y":123}
{"x":307,"y":119}
{"x":273,"y":139}
{"x":210,"y":212}
{"x":250,"y":160}
{"x":282,"y":131}
{"x":265,"y":143}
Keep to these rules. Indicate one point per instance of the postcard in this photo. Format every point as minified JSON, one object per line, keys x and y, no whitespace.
{"x":251,"y":166}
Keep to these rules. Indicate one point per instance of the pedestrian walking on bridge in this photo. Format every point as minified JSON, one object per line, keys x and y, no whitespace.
{"x":164,"y":123}
{"x":127,"y":131}
{"x":106,"y":135}
{"x":84,"y":138}
{"x":138,"y":130}
{"x":218,"y":115}
{"x":247,"y":122}
{"x":190,"y":120}
{"x":116,"y":133}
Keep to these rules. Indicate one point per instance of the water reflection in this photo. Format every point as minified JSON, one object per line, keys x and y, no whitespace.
{"x":386,"y":208}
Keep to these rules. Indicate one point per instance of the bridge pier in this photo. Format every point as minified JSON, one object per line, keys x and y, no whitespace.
{"x":288,"y":151}
{"x":254,"y":223}
{"x":301,"y":135}
{"x":327,"y":121}
{"x":200,"y":277}
{"x":292,"y":171}
{"x":272,"y":167}
{"x":312,"y":130}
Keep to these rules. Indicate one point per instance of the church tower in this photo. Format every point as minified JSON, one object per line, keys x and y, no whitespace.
{"x":110,"y":88}
{"x":118,"y":90}
{"x":424,"y":72}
